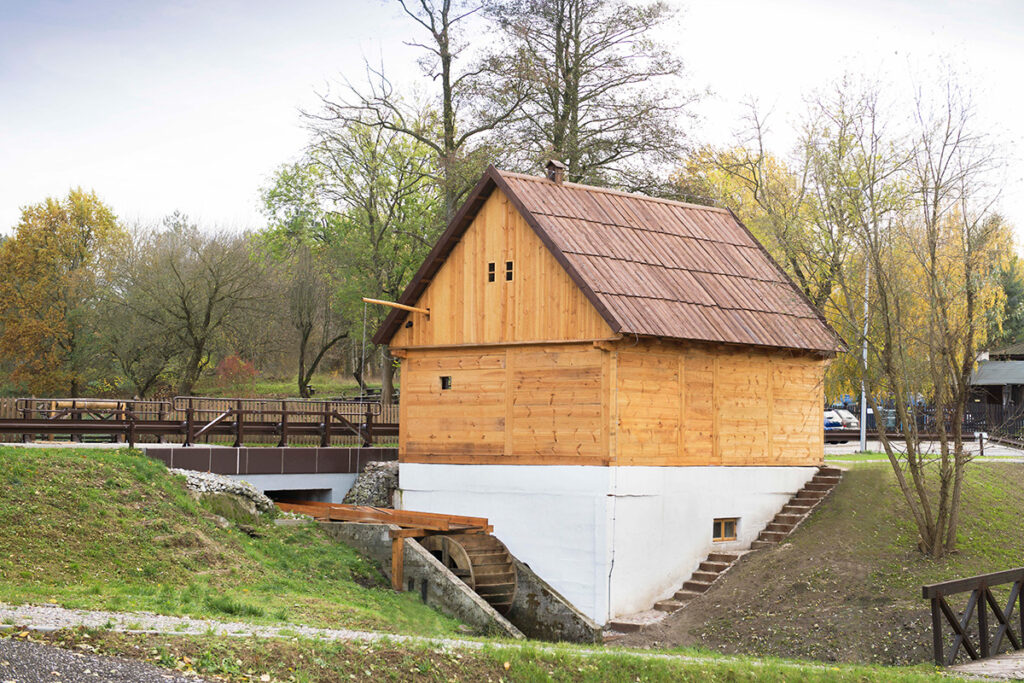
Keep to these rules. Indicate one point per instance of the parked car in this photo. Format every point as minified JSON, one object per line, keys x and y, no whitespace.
{"x":848,"y":419}
{"x":833,"y":423}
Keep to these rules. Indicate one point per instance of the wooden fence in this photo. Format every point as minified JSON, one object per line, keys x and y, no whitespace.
{"x":978,"y":641}
{"x":297,"y":422}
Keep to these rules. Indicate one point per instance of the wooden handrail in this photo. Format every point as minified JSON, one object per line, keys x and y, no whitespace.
{"x":981,"y":601}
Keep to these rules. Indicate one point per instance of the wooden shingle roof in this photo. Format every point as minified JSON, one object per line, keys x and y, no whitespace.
{"x":651,"y":267}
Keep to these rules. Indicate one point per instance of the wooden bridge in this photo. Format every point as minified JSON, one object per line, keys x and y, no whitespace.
{"x":995,"y":624}
{"x":189,"y":420}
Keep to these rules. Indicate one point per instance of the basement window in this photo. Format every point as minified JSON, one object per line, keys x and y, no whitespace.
{"x":490,"y":272}
{"x":508,"y":271}
{"x":724,"y":529}
{"x":446,"y":382}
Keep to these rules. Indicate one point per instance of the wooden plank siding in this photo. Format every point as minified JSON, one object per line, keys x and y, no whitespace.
{"x":540,"y":303}
{"x":695,"y":405}
{"x":634,"y":403}
{"x":517,"y":405}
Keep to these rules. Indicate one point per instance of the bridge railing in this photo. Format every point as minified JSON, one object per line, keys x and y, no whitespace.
{"x":980,"y":602}
{"x":188,"y":419}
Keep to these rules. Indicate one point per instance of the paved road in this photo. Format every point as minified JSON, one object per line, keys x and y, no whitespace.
{"x":26,"y":662}
{"x":992,"y":450}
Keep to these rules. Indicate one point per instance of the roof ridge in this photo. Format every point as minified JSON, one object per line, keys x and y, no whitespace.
{"x":609,"y":190}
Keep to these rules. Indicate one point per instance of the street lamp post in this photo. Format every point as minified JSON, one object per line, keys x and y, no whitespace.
{"x":864,"y":367}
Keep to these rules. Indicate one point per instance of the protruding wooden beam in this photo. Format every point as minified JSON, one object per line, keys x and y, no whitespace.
{"x":392,"y":304}
{"x":397,"y":563}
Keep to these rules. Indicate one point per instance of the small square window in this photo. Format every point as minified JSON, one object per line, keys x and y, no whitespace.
{"x":724,"y":529}
{"x":508,"y":270}
{"x":446,"y":382}
{"x":490,"y":272}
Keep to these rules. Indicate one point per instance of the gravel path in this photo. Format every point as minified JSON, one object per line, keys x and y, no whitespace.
{"x":52,"y":618}
{"x":25,"y":662}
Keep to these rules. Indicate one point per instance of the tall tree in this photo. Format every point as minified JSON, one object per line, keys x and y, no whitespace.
{"x":470,"y":99}
{"x":919,"y":213}
{"x":48,"y":292}
{"x":363,"y":202}
{"x":192,"y":286}
{"x":601,"y":94}
{"x":1006,"y":324}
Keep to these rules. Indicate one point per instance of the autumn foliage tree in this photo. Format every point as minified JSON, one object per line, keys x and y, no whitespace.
{"x":48,"y":292}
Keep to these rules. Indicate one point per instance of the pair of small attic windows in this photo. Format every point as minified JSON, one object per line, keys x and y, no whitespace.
{"x":491,"y":271}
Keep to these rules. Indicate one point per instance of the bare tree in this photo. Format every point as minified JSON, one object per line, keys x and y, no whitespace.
{"x":601,"y":95}
{"x":454,"y":118}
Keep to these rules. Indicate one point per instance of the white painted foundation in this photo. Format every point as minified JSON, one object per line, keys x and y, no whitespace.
{"x":612,"y":540}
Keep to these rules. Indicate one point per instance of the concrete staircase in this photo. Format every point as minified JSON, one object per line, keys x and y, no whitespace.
{"x":708,"y":571}
{"x":798,"y":507}
{"x":717,"y":563}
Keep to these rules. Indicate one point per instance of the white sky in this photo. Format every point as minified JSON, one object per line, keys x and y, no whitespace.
{"x":191,"y":104}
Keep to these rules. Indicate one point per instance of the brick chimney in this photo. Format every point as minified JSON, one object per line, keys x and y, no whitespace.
{"x":555,"y":171}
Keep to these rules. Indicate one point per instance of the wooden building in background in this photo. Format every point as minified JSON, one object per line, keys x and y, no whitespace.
{"x":603,"y":375}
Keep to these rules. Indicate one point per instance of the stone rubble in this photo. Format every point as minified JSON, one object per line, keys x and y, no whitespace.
{"x":208,"y":483}
{"x":375,"y":485}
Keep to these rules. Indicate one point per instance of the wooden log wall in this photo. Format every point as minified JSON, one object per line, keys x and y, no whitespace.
{"x":629,"y":403}
{"x":515,"y":405}
{"x":682,"y":404}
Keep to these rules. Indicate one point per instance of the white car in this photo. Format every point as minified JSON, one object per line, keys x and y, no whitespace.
{"x":848,"y":419}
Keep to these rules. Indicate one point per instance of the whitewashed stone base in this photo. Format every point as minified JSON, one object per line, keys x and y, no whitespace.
{"x":612,"y":540}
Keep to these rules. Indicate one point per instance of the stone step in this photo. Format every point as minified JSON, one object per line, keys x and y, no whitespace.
{"x":696,"y":586}
{"x":773,"y":536}
{"x":759,"y":544}
{"x":809,"y":501}
{"x":781,"y":528}
{"x":610,"y":636}
{"x":830,"y":471}
{"x":816,"y":486}
{"x":783,"y":518}
{"x":704,"y":577}
{"x":684,"y":596}
{"x":728,"y":558}
{"x":807,"y":494}
{"x":622,"y":627}
{"x":715,"y":567}
{"x":669,"y":605}
{"x":822,"y":479}
{"x":796,"y":510}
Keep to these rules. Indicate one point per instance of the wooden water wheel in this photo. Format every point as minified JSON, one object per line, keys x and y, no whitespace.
{"x":481,"y":561}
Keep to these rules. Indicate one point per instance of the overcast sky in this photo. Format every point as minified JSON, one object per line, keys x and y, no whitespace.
{"x":190,"y":105}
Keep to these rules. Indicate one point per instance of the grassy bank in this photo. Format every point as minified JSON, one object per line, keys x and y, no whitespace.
{"x":114,"y":530}
{"x":325,"y":386}
{"x":310,"y":661}
{"x":846,"y":586}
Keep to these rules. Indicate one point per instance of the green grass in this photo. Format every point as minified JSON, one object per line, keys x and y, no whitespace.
{"x":870,"y":456}
{"x":304,"y":660}
{"x":326,"y":386}
{"x":113,"y":530}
